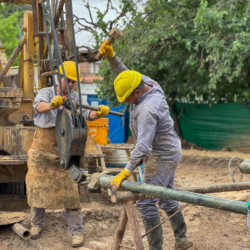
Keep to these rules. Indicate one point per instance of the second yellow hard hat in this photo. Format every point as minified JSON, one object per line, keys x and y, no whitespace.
{"x":125,"y":83}
{"x":70,"y":70}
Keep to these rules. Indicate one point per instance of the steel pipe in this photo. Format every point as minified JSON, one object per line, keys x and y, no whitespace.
{"x":179,"y":195}
{"x":223,"y":187}
{"x":21,"y":231}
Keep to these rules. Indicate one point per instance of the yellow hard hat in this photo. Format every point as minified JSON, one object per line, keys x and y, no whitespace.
{"x":125,"y":83}
{"x":70,"y":70}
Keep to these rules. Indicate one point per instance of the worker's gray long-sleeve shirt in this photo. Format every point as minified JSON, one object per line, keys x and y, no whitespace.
{"x":150,"y":121}
{"x":48,"y":119}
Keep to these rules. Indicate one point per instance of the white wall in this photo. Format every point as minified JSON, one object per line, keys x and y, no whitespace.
{"x":14,"y":70}
{"x":88,"y":89}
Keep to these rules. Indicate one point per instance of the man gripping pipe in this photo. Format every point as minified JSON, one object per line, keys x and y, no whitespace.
{"x":48,"y":185}
{"x":156,"y":144}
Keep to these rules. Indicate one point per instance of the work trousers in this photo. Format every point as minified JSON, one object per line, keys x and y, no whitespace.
{"x":159,"y":171}
{"x":74,"y":218}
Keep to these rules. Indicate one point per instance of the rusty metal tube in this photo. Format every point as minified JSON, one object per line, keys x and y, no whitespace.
{"x":21,"y":231}
{"x":13,"y":57}
{"x":223,"y":187}
{"x":179,"y":195}
{"x":59,"y":12}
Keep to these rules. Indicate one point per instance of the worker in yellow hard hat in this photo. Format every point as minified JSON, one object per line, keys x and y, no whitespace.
{"x":48,"y":185}
{"x":156,"y":145}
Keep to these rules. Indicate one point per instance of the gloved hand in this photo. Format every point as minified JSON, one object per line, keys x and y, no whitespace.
{"x":107,"y":50}
{"x":104,"y":110}
{"x":120,"y":177}
{"x":57,"y":101}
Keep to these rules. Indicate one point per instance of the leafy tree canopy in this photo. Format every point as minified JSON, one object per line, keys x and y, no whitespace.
{"x":198,"y":51}
{"x":10,"y":15}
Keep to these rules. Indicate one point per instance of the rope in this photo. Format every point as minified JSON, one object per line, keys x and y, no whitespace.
{"x":229,"y":167}
{"x":162,"y":222}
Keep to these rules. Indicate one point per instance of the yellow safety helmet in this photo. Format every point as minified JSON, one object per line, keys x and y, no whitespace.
{"x":125,"y":83}
{"x":70,"y":70}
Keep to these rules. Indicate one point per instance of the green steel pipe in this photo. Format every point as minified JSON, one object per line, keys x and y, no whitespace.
{"x":179,"y":195}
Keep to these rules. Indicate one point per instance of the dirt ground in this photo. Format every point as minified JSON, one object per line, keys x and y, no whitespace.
{"x":208,"y":228}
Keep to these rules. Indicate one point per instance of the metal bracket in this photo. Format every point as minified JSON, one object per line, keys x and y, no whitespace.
{"x":76,"y":174}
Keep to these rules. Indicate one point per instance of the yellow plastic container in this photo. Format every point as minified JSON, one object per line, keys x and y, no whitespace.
{"x":99,"y":129}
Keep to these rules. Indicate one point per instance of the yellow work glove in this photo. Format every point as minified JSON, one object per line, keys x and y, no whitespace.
{"x":107,"y":50}
{"x":104,"y":110}
{"x":57,"y":101}
{"x":120,"y":177}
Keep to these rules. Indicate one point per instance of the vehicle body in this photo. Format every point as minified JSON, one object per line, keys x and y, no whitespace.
{"x":17,"y":92}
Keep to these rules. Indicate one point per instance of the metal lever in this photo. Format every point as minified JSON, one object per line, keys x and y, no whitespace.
{"x":67,"y":105}
{"x":97,"y":109}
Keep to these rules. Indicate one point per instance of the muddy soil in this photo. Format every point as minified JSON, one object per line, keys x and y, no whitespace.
{"x":208,"y":228}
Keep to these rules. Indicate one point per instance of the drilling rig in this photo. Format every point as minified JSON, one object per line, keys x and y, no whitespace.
{"x":17,"y":91}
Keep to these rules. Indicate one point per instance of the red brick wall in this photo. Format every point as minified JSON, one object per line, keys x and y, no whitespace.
{"x":85,"y":68}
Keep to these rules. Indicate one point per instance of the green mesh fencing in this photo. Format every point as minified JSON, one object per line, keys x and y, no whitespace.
{"x":221,"y":126}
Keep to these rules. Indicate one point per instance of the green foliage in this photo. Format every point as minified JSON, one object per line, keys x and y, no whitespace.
{"x":9,"y":34}
{"x":102,"y":26}
{"x":10,"y":9}
{"x":198,"y":51}
{"x":10,"y":15}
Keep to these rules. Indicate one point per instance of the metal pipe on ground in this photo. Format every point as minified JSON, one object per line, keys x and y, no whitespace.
{"x":224,"y":187}
{"x":13,"y":57}
{"x":21,"y":231}
{"x":179,"y":195}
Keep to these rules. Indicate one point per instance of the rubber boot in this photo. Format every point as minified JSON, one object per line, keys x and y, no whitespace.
{"x":77,"y":240}
{"x":179,"y":226}
{"x":35,"y":232}
{"x":155,"y":238}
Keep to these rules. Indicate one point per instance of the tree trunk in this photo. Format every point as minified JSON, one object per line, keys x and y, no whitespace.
{"x":175,"y":118}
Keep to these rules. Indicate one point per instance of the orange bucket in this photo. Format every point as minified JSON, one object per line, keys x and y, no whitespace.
{"x":99,"y":130}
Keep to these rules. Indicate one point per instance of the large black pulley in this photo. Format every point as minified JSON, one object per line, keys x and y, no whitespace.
{"x":71,"y":137}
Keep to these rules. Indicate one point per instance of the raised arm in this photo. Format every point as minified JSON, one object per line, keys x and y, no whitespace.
{"x":115,"y":63}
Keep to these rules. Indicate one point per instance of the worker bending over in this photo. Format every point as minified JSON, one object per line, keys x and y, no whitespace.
{"x":48,"y":185}
{"x":156,"y":144}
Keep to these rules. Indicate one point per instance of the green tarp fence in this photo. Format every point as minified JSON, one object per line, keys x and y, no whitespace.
{"x":222,"y":126}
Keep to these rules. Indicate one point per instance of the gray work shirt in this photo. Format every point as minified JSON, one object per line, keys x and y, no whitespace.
{"x":150,"y":121}
{"x":47,"y":120}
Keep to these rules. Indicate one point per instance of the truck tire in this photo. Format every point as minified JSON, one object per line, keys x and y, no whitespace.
{"x":14,"y":188}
